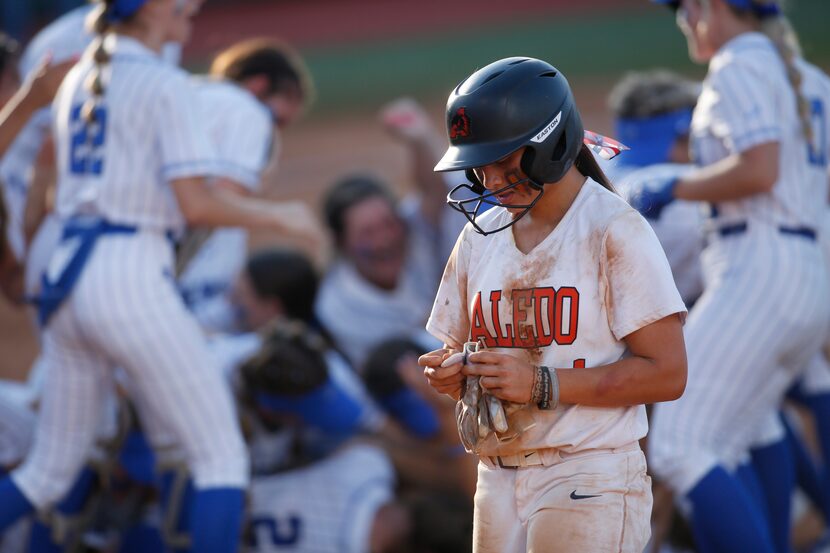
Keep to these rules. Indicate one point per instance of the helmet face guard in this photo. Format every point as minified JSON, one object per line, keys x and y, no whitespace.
{"x":511,"y":104}
{"x":471,"y":208}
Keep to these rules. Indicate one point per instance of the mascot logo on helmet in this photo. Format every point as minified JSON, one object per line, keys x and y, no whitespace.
{"x":460,"y":124}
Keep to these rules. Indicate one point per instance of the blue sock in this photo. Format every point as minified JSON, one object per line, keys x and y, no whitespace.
{"x":725,"y":518}
{"x":819,"y":405}
{"x":13,"y":504}
{"x":775,"y":467}
{"x":809,"y":476}
{"x":40,"y":538}
{"x":216,"y":520}
{"x":749,"y":479}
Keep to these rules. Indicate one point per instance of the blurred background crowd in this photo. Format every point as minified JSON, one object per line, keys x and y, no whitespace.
{"x":319,"y":334}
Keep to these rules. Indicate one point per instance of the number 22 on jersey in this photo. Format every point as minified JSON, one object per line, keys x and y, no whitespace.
{"x":85,"y":157}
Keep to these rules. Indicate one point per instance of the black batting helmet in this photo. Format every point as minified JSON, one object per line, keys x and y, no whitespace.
{"x":511,"y":103}
{"x":507,"y":105}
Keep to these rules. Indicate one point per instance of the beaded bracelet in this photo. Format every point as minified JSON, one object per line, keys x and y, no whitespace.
{"x":536,"y":391}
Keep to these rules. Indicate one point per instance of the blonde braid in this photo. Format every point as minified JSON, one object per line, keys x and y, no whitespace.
{"x":99,"y":23}
{"x":778,"y":29}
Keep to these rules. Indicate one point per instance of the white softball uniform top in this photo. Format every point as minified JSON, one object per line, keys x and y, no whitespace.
{"x":327,"y":507}
{"x":679,"y":227}
{"x":241,"y":131}
{"x":63,"y":39}
{"x":132,"y":187}
{"x":747,"y":100}
{"x":597,"y":277}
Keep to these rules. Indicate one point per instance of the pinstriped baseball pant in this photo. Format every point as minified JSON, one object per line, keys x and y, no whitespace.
{"x":763,"y":315}
{"x":125,"y":312}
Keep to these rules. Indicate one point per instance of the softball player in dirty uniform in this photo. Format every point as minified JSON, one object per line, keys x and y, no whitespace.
{"x":759,"y":134}
{"x":132,"y":158}
{"x":576,"y":303}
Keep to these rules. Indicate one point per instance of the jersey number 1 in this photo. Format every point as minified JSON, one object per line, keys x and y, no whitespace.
{"x":87,"y":138}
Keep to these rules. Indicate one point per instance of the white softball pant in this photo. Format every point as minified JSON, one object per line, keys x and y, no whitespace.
{"x":762,"y":316}
{"x":126,"y":312}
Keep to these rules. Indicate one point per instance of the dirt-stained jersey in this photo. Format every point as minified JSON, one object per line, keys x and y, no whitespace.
{"x":597,"y":277}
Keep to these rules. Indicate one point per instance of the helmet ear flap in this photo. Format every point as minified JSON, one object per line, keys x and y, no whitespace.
{"x":527,"y":164}
{"x":477,"y":186}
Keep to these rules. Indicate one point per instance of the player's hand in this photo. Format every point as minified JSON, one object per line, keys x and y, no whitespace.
{"x":44,"y":80}
{"x":296,"y":219}
{"x":406,"y":119}
{"x":651,"y":200}
{"x":505,"y":376}
{"x":443,"y":372}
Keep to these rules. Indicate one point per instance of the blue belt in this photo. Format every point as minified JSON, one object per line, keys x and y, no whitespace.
{"x":87,"y":230}
{"x":740,"y":228}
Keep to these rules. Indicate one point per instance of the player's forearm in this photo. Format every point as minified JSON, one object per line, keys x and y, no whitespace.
{"x":739,"y":176}
{"x":426,"y":152}
{"x":630,"y":381}
{"x":211,"y":206}
{"x":14,"y":116}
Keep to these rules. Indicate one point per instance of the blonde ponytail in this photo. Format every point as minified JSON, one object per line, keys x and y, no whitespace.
{"x":99,"y":24}
{"x":778,"y":29}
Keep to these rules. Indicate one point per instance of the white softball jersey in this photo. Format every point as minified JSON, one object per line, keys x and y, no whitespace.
{"x":241,"y":131}
{"x":600,"y":275}
{"x":166,"y":140}
{"x":747,"y":100}
{"x":327,"y":507}
{"x":770,"y":269}
{"x":64,"y":38}
{"x":679,"y":227}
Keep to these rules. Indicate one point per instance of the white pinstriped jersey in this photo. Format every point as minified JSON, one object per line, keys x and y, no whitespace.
{"x":241,"y":130}
{"x":125,"y":176}
{"x":62,"y":39}
{"x":568,"y":303}
{"x":746,"y":101}
{"x":679,"y":227}
{"x":327,"y":507}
